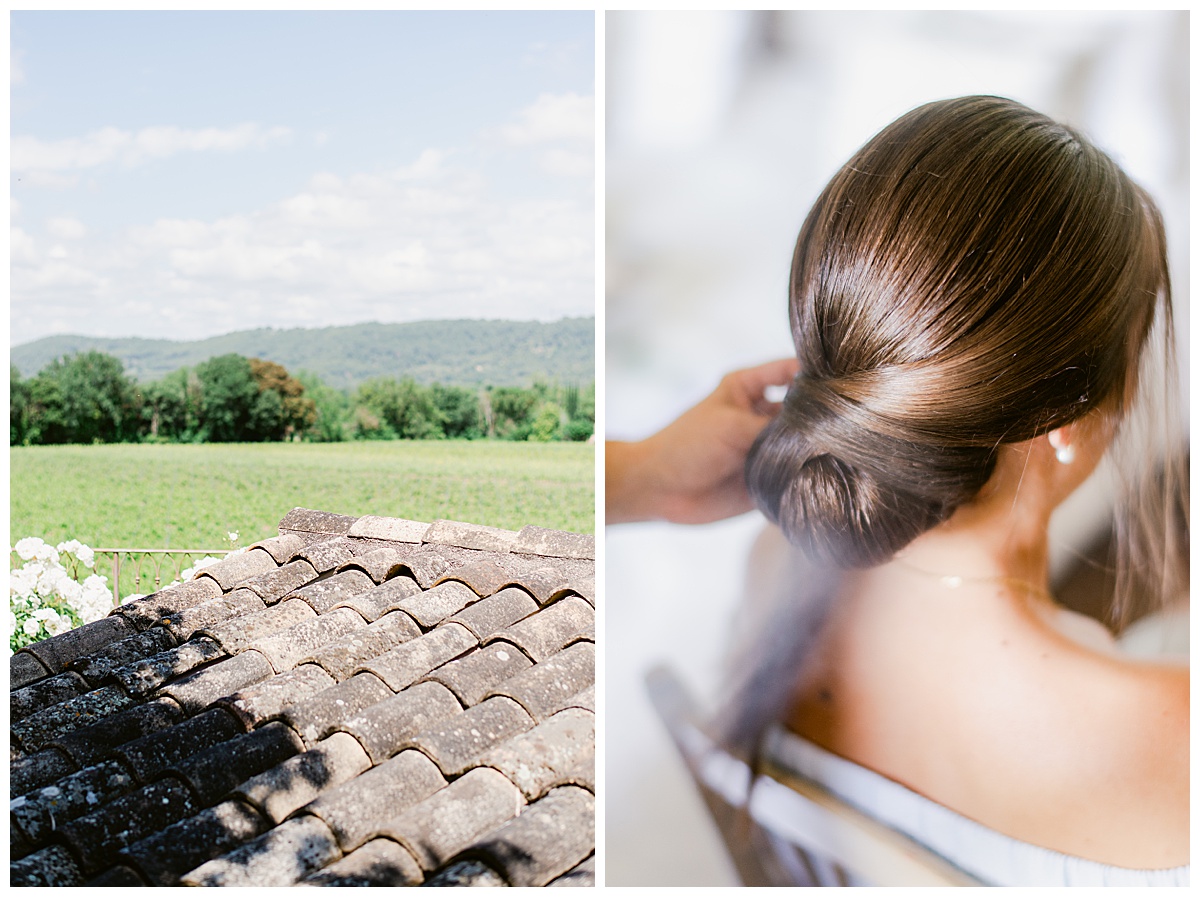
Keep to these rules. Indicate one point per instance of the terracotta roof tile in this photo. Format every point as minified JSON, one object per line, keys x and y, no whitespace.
{"x":281,"y":857}
{"x":552,"y":543}
{"x":145,"y":612}
{"x":281,"y":548}
{"x":384,"y":728}
{"x":162,"y":857}
{"x":455,"y":743}
{"x":224,"y":730}
{"x":454,"y":817}
{"x":354,"y":810}
{"x":563,"y":622}
{"x":274,"y":584}
{"x":549,"y":838}
{"x":552,"y":753}
{"x":266,"y":700}
{"x":287,"y":648}
{"x":388,"y":528}
{"x":496,"y":612}
{"x":340,"y":658}
{"x":325,"y":711}
{"x":378,"y":863}
{"x":306,"y":521}
{"x":280,"y":791}
{"x":470,"y":535}
{"x":405,"y":664}
{"x":549,"y":687}
{"x":236,"y":635}
{"x":471,"y":676}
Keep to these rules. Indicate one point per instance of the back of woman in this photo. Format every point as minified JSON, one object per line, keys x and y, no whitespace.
{"x":972,"y":298}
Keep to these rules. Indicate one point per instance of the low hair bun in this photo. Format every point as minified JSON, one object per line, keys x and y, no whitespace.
{"x":847,"y":488}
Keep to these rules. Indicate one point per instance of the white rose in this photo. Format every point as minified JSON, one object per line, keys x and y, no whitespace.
{"x":27,"y":548}
{"x":32,"y":627}
{"x":59,"y":625}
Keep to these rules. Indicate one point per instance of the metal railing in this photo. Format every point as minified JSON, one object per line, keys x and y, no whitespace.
{"x":153,"y":560}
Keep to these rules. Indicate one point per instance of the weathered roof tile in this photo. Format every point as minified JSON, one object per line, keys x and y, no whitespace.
{"x":484,"y":577}
{"x":383,"y":728}
{"x":550,"y":754}
{"x":39,"y":813}
{"x":325,"y":594}
{"x":467,"y":874}
{"x":385,"y":598}
{"x":378,"y":863}
{"x":197,"y":690}
{"x":431,"y":607}
{"x":582,"y":876}
{"x":496,"y":612}
{"x":281,"y":857}
{"x":39,"y":769}
{"x":96,"y":667}
{"x":52,"y":867}
{"x":328,"y":555}
{"x":388,"y":528}
{"x":275,"y":584}
{"x":39,"y":728}
{"x":555,"y":544}
{"x":288,"y":648}
{"x":266,"y":700}
{"x":548,"y":687}
{"x":185,"y":623}
{"x":305,"y":521}
{"x":342,"y":657}
{"x":145,"y":612}
{"x":407,"y":663}
{"x":233,"y":568}
{"x":24,"y":668}
{"x":281,"y":548}
{"x":352,"y":810}
{"x":236,"y":635}
{"x":279,"y":792}
{"x":470,"y":535}
{"x":55,"y":653}
{"x":143,"y":676}
{"x":550,"y":837}
{"x":88,"y":744}
{"x":215,"y":772}
{"x":151,"y":754}
{"x":471,"y":676}
{"x":454,"y":817}
{"x":456,"y":742}
{"x":563,"y":622}
{"x":327,"y":710}
{"x":164,"y":856}
{"x":44,"y":693}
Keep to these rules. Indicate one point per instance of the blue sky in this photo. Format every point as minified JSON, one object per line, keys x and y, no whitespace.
{"x":181,"y":175}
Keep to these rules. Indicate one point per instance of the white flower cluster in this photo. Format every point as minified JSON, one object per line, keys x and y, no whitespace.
{"x":45,"y":598}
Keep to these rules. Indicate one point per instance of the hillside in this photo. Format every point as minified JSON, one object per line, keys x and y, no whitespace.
{"x":463,"y":353}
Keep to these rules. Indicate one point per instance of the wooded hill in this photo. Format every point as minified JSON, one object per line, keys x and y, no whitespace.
{"x":453,"y":353}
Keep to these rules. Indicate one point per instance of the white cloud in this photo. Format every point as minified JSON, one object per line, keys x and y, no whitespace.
{"x":553,"y":117}
{"x":66,"y":228}
{"x":425,"y":240}
{"x":115,"y":146}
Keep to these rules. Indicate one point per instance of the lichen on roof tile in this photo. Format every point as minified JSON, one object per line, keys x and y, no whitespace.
{"x":390,"y":529}
{"x":563,"y":622}
{"x":454,"y":743}
{"x":280,"y":791}
{"x":275,"y":584}
{"x":496,"y":612}
{"x":145,"y":612}
{"x":405,"y":664}
{"x":285,"y":649}
{"x":307,"y":521}
{"x":384,"y":728}
{"x":328,"y":554}
{"x":474,"y":674}
{"x":378,"y":863}
{"x":550,"y":686}
{"x":555,"y":544}
{"x":342,"y":657}
{"x":281,"y":857}
{"x":471,"y":535}
{"x":548,"y":754}
{"x":282,"y":548}
{"x":236,"y":635}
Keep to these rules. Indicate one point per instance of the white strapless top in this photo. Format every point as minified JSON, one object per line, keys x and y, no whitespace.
{"x":993,"y":858}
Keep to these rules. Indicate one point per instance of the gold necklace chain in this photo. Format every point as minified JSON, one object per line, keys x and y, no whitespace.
{"x":954,"y":581}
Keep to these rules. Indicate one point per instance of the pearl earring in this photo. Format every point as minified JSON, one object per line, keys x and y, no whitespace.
{"x":1065,"y":454}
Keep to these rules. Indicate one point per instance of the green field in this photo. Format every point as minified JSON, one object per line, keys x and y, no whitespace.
{"x":190,"y":496}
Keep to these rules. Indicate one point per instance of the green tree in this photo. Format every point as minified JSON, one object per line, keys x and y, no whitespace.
{"x":228,"y":394}
{"x":333,"y":410}
{"x":406,"y":408}
{"x":18,"y":406}
{"x":512,"y":410}
{"x":459,"y":409}
{"x":282,"y":410}
{"x":83,"y":398}
{"x":546,"y":423}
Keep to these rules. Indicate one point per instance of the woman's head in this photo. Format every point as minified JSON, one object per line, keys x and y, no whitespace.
{"x":977,"y":274}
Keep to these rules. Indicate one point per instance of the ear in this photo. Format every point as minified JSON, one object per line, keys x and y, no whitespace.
{"x":1061,"y":440}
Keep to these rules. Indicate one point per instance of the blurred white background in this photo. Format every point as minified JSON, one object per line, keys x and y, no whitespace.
{"x":722,"y":128}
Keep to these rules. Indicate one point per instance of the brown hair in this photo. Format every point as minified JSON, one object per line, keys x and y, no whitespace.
{"x":976,"y":274}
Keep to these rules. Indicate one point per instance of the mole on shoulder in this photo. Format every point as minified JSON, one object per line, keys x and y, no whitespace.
{"x":825,"y":695}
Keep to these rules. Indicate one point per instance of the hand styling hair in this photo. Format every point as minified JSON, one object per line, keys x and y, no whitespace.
{"x":976,"y":274}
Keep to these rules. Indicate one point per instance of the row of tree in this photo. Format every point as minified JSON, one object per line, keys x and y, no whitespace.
{"x":88,"y":398}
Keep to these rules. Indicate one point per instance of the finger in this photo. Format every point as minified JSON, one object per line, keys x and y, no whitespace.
{"x":747,"y":386}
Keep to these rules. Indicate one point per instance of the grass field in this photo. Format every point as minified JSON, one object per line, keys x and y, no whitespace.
{"x":190,"y":496}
